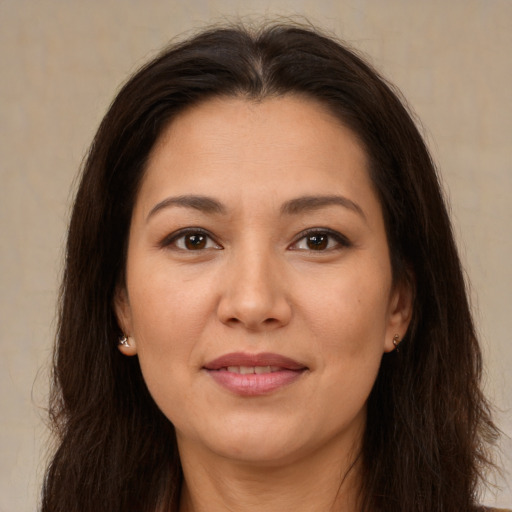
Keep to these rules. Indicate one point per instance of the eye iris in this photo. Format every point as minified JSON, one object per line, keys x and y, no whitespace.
{"x":317,"y":242}
{"x":195,"y":241}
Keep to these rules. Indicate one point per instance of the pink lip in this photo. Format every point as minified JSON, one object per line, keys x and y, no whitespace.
{"x":284,"y":372}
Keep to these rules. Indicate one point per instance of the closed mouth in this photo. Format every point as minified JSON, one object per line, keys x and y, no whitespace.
{"x":251,"y":375}
{"x":239,"y":362}
{"x":247,"y":370}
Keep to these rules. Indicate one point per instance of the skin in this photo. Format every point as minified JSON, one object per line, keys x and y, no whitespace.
{"x":257,"y":284}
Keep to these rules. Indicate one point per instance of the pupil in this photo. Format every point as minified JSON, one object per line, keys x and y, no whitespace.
{"x":317,"y":242}
{"x":195,"y":241}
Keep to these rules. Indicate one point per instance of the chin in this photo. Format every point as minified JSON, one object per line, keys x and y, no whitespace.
{"x":248,"y":440}
{"x":258,"y":451}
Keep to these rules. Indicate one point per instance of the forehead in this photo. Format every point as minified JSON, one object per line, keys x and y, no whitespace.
{"x":297,"y":119}
{"x":285,"y":145}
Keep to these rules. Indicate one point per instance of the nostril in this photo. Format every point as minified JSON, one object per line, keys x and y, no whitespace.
{"x":267,"y":323}
{"x":265,"y":312}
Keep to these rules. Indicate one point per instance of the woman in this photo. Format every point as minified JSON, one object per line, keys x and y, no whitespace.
{"x":260,"y":224}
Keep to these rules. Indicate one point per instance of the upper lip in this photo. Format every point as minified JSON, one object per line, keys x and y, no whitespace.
{"x":263,"y":359}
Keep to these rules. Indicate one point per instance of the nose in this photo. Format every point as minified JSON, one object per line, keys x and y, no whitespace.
{"x":254,"y":293}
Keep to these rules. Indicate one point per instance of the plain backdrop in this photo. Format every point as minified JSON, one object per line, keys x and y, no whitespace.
{"x":61,"y":63}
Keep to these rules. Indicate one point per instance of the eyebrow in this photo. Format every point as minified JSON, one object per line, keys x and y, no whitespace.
{"x":310,"y":203}
{"x":295,"y":206}
{"x":202,"y":203}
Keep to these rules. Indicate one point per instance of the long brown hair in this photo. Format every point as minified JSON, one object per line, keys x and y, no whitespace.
{"x":428,"y":426}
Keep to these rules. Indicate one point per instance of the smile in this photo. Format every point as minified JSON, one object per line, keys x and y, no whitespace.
{"x":254,"y":374}
{"x":247,"y":370}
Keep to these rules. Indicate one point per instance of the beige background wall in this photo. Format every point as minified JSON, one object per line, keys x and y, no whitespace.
{"x":62,"y":61}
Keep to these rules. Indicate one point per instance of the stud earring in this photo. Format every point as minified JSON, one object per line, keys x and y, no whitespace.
{"x":123,"y":341}
{"x":396,"y":341}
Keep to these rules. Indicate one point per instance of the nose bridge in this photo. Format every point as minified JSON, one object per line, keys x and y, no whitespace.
{"x":254,"y":292}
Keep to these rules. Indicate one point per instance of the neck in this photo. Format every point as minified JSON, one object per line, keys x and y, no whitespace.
{"x":313,"y":484}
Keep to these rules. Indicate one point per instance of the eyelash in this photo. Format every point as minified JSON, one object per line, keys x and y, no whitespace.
{"x":173,"y":239}
{"x":339,"y":240}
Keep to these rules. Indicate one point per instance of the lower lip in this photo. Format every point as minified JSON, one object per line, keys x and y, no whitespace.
{"x":254,"y":384}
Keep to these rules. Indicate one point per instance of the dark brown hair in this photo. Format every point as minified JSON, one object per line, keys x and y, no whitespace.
{"x":428,"y":427}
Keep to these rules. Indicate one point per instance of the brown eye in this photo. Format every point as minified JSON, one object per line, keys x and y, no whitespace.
{"x":320,"y":240}
{"x":195,"y":241}
{"x":190,"y":239}
{"x":317,"y":242}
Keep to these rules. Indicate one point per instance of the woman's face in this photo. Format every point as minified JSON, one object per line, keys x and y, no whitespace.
{"x":259,"y":293}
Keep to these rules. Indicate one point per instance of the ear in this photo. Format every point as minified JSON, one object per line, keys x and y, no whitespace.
{"x":401,"y":305}
{"x":123,"y":313}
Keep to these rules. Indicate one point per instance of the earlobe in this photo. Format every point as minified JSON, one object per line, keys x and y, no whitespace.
{"x":127,"y":345}
{"x":126,"y":342}
{"x":401,"y":308}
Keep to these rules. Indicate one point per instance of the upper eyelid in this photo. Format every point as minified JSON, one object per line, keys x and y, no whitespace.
{"x":170,"y":238}
{"x":175,"y":235}
{"x":341,"y":241}
{"x":320,"y":230}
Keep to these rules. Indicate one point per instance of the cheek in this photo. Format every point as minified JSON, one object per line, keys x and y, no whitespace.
{"x":349,"y":315}
{"x":165,"y":330}
{"x":171,"y":311}
{"x":348,"y":318}
{"x":166,"y":320}
{"x":167,"y":308}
